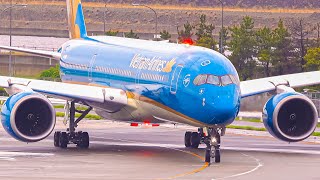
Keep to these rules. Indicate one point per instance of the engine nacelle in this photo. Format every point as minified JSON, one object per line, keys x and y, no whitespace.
{"x":28,"y":116}
{"x":290,"y":116}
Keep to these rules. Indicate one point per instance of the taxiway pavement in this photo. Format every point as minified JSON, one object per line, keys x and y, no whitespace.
{"x":118,"y":151}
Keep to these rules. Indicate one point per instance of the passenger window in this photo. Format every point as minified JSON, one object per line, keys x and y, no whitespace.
{"x":213,"y":80}
{"x":226,"y":80}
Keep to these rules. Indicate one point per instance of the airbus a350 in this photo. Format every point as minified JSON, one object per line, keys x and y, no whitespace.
{"x":138,"y":81}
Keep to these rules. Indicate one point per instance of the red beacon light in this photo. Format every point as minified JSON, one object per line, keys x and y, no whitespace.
{"x":188,"y":41}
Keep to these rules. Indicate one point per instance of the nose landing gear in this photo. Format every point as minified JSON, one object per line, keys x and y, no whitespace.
{"x":212,"y":140}
{"x":81,"y":139}
{"x":209,"y":136}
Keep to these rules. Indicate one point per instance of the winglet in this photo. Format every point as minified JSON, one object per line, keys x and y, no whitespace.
{"x":77,"y":26}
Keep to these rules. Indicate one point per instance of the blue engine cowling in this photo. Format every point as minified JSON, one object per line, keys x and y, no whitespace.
{"x":28,"y":116}
{"x":290,"y":116}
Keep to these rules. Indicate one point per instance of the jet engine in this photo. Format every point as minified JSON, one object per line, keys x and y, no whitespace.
{"x":28,"y":116}
{"x":290,"y":116}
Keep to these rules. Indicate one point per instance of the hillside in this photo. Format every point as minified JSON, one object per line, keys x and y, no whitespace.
{"x":48,"y":17}
{"x":214,"y":3}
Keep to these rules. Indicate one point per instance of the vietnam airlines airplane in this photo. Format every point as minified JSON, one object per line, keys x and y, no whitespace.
{"x":139,"y":81}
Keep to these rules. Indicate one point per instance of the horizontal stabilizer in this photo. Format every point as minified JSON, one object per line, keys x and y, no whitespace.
{"x":46,"y":54}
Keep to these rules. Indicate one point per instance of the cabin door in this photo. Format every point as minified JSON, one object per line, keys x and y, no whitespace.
{"x":175,"y":79}
{"x":91,"y":67}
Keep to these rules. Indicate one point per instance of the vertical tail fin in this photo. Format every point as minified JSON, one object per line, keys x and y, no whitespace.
{"x":77,"y":26}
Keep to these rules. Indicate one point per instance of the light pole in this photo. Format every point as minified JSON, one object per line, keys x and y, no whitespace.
{"x":154,"y":13}
{"x":222,"y":29}
{"x":104,"y":18}
{"x":10,"y":29}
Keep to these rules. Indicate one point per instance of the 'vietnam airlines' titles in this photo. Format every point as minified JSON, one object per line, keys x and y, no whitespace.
{"x":152,"y":64}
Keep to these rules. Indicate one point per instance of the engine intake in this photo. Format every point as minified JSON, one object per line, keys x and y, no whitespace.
{"x":28,"y":116}
{"x":290,"y":116}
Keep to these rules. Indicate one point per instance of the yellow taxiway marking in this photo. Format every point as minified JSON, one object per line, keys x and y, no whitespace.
{"x":204,"y":166}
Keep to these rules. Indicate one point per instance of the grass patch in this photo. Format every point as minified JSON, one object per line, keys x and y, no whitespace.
{"x":316,"y":134}
{"x":81,"y":108}
{"x":256,"y":120}
{"x":250,"y":128}
{"x":89,"y":116}
{"x":246,"y":128}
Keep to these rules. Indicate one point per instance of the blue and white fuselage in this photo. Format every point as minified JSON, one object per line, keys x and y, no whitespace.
{"x":165,"y":81}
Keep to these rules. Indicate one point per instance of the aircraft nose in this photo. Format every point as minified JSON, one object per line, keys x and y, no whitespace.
{"x":225,"y":108}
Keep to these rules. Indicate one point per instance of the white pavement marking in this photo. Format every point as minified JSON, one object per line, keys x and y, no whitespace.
{"x":287,"y":151}
{"x":10,"y":156}
{"x":259,"y":165}
{"x":136,"y":143}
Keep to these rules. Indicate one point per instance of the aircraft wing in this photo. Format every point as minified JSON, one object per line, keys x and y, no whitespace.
{"x":263,"y":85}
{"x":66,"y":91}
{"x":46,"y":54}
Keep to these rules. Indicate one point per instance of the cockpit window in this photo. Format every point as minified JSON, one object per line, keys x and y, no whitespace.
{"x":234,"y":79}
{"x":215,"y":80}
{"x":200,"y":79}
{"x":226,"y":80}
{"x":212,"y":79}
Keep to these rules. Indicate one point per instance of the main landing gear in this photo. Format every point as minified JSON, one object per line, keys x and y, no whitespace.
{"x":81,"y":139}
{"x":209,"y":136}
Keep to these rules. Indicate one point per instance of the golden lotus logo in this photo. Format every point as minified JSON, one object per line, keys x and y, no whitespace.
{"x":169,"y":66}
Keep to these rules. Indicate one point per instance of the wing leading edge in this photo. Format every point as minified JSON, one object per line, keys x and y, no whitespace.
{"x":263,"y":85}
{"x":66,"y":91}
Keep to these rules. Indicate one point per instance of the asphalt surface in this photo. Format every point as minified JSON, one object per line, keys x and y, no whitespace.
{"x":118,"y":151}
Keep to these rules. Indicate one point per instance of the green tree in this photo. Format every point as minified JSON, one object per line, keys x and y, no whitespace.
{"x":52,"y":73}
{"x":131,"y":34}
{"x":204,"y":30}
{"x":283,"y":57}
{"x":313,"y":59}
{"x":165,"y":35}
{"x":112,"y":33}
{"x":207,"y":42}
{"x":265,"y":44}
{"x":300,"y":30}
{"x":186,"y":33}
{"x":204,"y":34}
{"x":242,"y":45}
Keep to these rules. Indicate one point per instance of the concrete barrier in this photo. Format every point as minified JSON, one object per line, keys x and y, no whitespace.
{"x":24,"y":65}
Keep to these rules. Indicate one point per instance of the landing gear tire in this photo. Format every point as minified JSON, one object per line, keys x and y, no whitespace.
{"x":56,"y":138}
{"x":63,"y":140}
{"x":187,"y":139}
{"x":208,"y":156}
{"x":195,"y":140}
{"x":217,"y":156}
{"x":81,"y":139}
